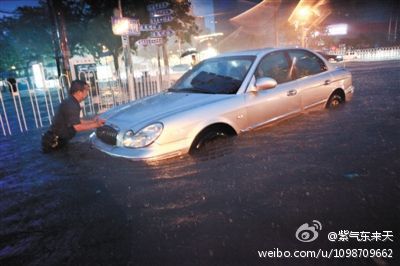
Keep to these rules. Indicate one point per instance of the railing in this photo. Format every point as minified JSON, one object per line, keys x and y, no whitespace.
{"x":376,"y":54}
{"x":372,"y":54}
{"x":28,"y":108}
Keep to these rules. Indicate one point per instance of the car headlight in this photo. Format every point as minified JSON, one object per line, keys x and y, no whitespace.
{"x":143,"y":137}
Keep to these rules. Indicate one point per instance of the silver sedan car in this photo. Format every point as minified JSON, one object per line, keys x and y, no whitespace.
{"x":220,"y":97}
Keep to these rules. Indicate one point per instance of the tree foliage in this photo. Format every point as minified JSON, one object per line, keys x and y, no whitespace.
{"x":25,"y":38}
{"x":28,"y":37}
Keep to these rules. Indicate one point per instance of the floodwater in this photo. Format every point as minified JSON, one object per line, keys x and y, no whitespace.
{"x":341,"y":167}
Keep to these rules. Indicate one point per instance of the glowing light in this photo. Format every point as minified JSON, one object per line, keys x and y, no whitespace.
{"x":337,"y":29}
{"x":209,"y":52}
{"x":125,"y":26}
{"x":209,"y":35}
{"x":304,"y":13}
{"x":38,"y":75}
{"x":104,"y":49}
{"x":120,"y":27}
{"x":202,"y":38}
{"x":104,"y":72}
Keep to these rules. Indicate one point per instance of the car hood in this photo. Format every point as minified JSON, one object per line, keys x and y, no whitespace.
{"x":155,"y":108}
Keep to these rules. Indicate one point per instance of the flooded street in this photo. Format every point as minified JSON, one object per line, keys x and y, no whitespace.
{"x":340,"y":167}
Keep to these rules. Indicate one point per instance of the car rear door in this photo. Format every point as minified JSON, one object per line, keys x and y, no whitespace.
{"x":313,"y":78}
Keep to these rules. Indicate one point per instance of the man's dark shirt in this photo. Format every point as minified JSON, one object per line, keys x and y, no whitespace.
{"x":66,"y":117}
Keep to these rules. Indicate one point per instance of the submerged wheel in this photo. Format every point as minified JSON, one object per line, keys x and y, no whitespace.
{"x":206,"y":140}
{"x":334,"y":101}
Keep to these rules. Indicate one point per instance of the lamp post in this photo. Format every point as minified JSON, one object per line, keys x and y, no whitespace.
{"x":304,"y":14}
{"x":127,"y":53}
{"x":300,"y":18}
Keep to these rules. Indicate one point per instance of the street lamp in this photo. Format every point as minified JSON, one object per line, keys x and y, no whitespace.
{"x":303,"y":15}
{"x":307,"y":15}
{"x":126,"y":27}
{"x":120,"y":26}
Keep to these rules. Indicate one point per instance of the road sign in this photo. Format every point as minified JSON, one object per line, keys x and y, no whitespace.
{"x":150,"y":41}
{"x":161,"y":19}
{"x":161,"y":13}
{"x":125,"y":26}
{"x":157,"y":6}
{"x":150,"y":27}
{"x":162,"y":33}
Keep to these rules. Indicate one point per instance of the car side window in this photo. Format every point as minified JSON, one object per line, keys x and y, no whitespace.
{"x":276,"y":66}
{"x":306,"y":63}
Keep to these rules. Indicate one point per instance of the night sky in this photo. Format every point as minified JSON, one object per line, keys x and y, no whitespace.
{"x":372,"y":10}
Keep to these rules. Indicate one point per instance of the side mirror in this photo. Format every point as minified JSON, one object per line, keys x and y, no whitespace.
{"x":264,"y":84}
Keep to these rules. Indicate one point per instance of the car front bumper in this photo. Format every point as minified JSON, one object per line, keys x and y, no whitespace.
{"x":153,"y":152}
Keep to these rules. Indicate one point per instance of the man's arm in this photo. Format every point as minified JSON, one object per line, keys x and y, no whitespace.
{"x":89,"y":124}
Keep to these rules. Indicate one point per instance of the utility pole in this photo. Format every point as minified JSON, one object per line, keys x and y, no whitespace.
{"x":60,"y":40}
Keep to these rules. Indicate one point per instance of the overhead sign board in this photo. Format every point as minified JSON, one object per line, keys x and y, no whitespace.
{"x":337,"y":29}
{"x":150,"y":27}
{"x":150,"y":41}
{"x":162,"y":33}
{"x":161,"y":13}
{"x":163,"y":19}
{"x":125,"y":26}
{"x":157,"y":6}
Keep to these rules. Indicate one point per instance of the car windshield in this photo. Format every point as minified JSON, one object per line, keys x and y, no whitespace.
{"x":222,"y":75}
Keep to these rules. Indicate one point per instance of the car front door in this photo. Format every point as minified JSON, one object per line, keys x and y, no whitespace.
{"x":266,"y":106}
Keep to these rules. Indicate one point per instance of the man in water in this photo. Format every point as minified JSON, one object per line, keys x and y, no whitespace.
{"x":67,"y":120}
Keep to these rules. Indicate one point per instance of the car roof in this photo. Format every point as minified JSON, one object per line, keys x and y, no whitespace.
{"x":256,"y":52}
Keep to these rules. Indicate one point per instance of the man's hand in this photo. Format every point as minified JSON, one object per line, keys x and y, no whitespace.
{"x":89,"y":124}
{"x":99,"y":121}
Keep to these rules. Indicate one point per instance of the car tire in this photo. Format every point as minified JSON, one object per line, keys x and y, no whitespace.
{"x":334,"y":101}
{"x":206,"y":139}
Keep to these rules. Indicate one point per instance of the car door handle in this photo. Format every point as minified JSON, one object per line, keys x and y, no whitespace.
{"x":291,"y":93}
{"x":327,"y":82}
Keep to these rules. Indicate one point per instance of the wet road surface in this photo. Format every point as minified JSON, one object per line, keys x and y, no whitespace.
{"x":341,"y":167}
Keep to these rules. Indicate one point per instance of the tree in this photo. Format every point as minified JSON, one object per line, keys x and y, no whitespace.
{"x":28,"y":36}
{"x":25,"y":39}
{"x":89,"y":23}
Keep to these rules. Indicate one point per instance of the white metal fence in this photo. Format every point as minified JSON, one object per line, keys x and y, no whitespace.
{"x":377,"y":54}
{"x":372,"y":54}
{"x":23,"y":108}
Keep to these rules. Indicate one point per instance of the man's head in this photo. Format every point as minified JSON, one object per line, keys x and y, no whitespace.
{"x":79,"y":89}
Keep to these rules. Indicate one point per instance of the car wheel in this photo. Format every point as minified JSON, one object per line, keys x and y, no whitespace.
{"x":207,"y":139}
{"x":334,"y":101}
